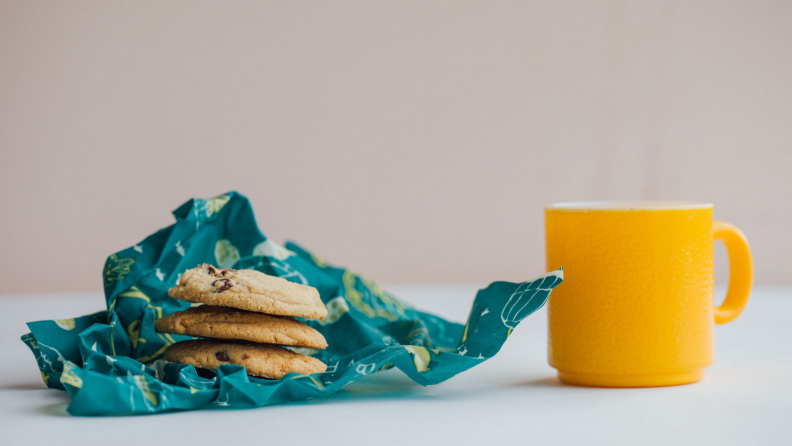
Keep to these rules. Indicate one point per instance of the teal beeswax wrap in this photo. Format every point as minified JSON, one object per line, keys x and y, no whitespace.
{"x":110,"y":362}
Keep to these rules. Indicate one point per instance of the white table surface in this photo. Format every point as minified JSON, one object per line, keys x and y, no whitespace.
{"x":514,"y":398}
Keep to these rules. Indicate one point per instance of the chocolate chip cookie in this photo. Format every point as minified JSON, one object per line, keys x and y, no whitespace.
{"x":209,"y":321}
{"x":266,"y":361}
{"x":248,"y":290}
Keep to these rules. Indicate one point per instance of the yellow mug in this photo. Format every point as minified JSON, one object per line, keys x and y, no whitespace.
{"x":636,"y":308}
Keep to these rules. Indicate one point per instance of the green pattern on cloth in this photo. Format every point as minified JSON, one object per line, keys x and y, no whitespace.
{"x":111,"y":362}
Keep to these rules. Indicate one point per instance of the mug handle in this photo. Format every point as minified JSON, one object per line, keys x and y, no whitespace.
{"x":740,"y":271}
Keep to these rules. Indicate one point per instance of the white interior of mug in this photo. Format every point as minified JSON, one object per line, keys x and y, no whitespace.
{"x":629,"y":205}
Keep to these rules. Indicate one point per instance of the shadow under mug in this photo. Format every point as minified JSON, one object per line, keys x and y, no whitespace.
{"x":636,"y":308}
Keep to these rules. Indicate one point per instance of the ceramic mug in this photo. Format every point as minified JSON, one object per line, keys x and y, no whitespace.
{"x":636,"y":308}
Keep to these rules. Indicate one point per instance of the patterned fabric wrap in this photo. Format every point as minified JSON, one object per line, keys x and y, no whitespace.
{"x":111,"y":362}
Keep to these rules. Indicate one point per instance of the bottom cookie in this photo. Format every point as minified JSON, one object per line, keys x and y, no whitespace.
{"x":265,"y":361}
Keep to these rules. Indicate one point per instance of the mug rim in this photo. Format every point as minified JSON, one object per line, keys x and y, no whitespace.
{"x":628,"y":205}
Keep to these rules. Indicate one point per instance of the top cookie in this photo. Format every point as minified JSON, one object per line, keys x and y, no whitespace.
{"x":248,"y":290}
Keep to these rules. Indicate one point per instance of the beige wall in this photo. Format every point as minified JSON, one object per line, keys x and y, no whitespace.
{"x":414,"y":141}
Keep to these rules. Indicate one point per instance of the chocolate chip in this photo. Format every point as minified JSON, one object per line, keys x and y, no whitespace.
{"x":212,"y":271}
{"x":222,"y":356}
{"x":228,"y":270}
{"x":245,"y":356}
{"x":226,"y":285}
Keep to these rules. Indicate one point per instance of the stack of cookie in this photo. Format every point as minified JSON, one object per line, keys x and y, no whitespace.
{"x":247,"y":315}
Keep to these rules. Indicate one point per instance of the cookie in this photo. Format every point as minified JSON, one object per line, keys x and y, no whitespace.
{"x":208,"y":321}
{"x":265,"y":361}
{"x":248,"y":290}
